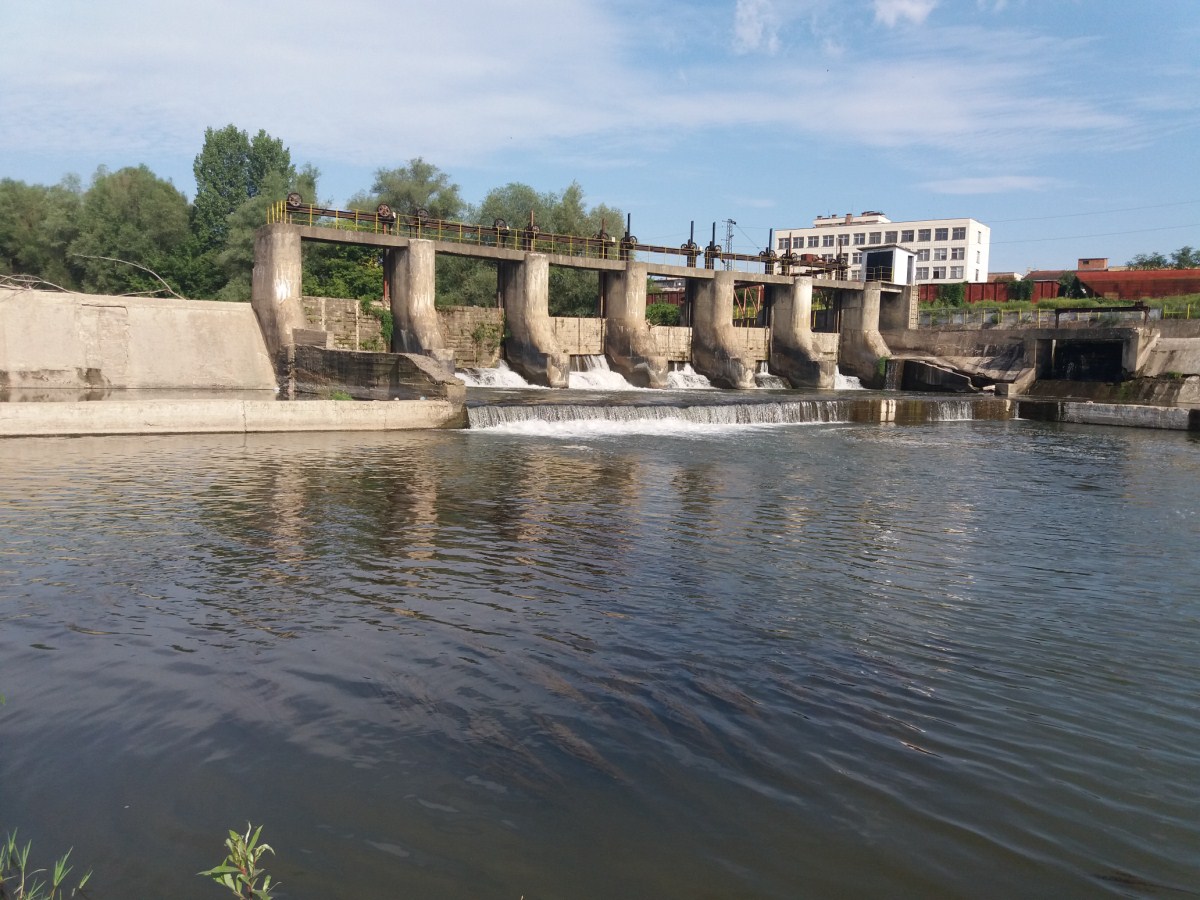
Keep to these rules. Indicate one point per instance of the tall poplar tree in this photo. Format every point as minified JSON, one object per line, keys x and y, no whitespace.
{"x":230,"y":169}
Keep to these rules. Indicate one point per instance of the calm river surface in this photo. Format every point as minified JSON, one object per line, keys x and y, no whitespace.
{"x":610,"y":660}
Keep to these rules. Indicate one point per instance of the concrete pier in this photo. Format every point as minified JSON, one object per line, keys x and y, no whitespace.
{"x":862,"y":346}
{"x":714,"y":345}
{"x":627,"y":342}
{"x":411,"y":276}
{"x":530,"y":347}
{"x":276,"y":285}
{"x":795,"y":355}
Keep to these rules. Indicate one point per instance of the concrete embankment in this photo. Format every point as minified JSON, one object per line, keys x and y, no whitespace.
{"x":1172,"y":418}
{"x":223,"y":416}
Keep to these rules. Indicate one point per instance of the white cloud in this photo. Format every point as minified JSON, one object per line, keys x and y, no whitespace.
{"x":756,"y":26}
{"x":892,"y":12}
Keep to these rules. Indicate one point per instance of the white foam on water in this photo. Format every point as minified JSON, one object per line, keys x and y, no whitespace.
{"x":687,"y":379}
{"x":597,"y":376}
{"x":499,"y":377}
{"x":846,"y":382}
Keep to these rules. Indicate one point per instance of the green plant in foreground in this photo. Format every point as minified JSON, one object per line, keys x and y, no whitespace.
{"x":240,"y":871}
{"x":19,"y":882}
{"x":339,"y":395}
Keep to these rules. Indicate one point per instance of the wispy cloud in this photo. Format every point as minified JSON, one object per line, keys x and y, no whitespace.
{"x":991,"y":184}
{"x":756,"y":26}
{"x":893,"y":12}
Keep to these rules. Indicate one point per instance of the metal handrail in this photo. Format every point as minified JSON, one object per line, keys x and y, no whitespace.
{"x":532,"y":238}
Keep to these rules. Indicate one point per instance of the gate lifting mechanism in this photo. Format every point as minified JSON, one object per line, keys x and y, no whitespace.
{"x":602,"y":245}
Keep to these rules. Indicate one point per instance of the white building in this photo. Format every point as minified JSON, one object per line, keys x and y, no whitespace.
{"x":944,"y":249}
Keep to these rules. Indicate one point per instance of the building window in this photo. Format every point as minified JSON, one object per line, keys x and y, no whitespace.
{"x":958,"y":252}
{"x":956,"y":272}
{"x":855,"y":274}
{"x":860,"y":238}
{"x":874,"y":237}
{"x":922,"y":273}
{"x":922,"y":256}
{"x":889,"y":237}
{"x":939,"y":271}
{"x":906,"y":236}
{"x":977,"y":256}
{"x":843,"y":240}
{"x":855,"y":258}
{"x":814,"y":241}
{"x":923,"y":234}
{"x":827,"y":240}
{"x":785,"y":243}
{"x":979,"y":237}
{"x":941,"y":234}
{"x":828,"y":257}
{"x":939,"y":255}
{"x":976,"y":274}
{"x":960,"y":233}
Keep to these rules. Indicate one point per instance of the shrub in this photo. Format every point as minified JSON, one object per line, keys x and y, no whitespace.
{"x":952,"y":294}
{"x":662,"y":314}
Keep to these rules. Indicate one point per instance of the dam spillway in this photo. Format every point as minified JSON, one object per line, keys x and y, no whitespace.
{"x":715,"y":411}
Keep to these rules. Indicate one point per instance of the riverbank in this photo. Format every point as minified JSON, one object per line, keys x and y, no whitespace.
{"x":228,"y":416}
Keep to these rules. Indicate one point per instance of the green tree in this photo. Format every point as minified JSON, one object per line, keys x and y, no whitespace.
{"x":234,"y":260}
{"x":662,"y":314}
{"x":573,"y":292}
{"x":1185,"y":258}
{"x":133,"y":216}
{"x":418,"y":184}
{"x":1148,"y":261}
{"x":230,"y":169}
{"x":37,"y":225}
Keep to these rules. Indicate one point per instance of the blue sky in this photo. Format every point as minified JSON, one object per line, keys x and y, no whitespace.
{"x":1071,"y":127}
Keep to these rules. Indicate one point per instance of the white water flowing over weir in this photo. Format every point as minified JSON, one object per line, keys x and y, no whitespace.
{"x":591,"y":373}
{"x":499,"y":377}
{"x":565,"y":419}
{"x":846,"y":382}
{"x":685,"y":378}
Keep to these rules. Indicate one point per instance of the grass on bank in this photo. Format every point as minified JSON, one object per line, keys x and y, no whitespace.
{"x":1181,"y":306}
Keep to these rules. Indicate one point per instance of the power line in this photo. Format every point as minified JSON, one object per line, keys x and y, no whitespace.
{"x":1073,"y":237}
{"x":1102,"y":212}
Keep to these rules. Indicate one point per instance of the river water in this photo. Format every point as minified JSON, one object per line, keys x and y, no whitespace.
{"x":599,"y":659}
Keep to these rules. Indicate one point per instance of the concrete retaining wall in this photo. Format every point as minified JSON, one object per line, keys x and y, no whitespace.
{"x":468,"y":329}
{"x":1084,"y":413}
{"x":50,"y":339}
{"x":223,"y":416}
{"x":348,"y":326}
{"x":579,"y":336}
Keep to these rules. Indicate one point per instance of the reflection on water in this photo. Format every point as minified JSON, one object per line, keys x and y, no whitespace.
{"x":822,"y":660}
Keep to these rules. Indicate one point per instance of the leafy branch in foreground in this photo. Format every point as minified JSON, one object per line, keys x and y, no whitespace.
{"x":19,"y":882}
{"x":240,"y":871}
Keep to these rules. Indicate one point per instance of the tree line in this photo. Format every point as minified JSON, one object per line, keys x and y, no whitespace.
{"x":130,"y":231}
{"x":1183,"y":258}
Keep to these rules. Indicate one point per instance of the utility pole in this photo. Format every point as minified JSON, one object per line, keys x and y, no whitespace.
{"x":729,"y":223}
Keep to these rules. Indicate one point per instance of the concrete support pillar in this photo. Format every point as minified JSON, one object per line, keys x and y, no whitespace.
{"x":530,"y":347}
{"x":794,"y":355}
{"x":627,"y":342}
{"x":715,"y":352}
{"x":275,"y":286}
{"x":411,"y":277}
{"x":861,"y":345}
